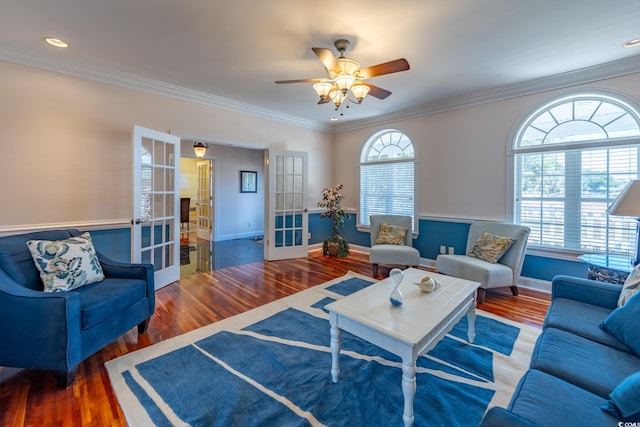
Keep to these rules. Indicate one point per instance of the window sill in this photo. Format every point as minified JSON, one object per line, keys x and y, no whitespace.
{"x":561,"y":254}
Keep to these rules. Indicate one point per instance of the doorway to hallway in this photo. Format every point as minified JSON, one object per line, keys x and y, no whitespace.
{"x":200,"y":255}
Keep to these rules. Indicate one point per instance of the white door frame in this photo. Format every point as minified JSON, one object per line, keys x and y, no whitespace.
{"x":286,"y":211}
{"x":156,"y":167}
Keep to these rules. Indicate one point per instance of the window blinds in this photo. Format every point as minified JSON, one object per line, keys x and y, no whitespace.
{"x":386,"y":188}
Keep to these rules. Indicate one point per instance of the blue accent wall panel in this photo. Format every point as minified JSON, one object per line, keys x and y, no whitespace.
{"x":114,"y":243}
{"x":433,"y":234}
{"x":544,"y":268}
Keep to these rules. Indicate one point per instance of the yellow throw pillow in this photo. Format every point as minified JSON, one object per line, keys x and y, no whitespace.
{"x":391,"y":234}
{"x":490,"y":247}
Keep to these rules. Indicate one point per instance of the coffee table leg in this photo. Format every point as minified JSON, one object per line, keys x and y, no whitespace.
{"x":335,"y":352}
{"x":408,"y":390}
{"x":471,"y":321}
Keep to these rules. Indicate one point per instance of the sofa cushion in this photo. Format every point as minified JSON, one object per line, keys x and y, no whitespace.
{"x":488,"y":274}
{"x":394,"y":255}
{"x":102,"y":300}
{"x":391,"y":234}
{"x":66,"y":264}
{"x":490,"y":247}
{"x":630,"y":287}
{"x":582,"y":319}
{"x":624,"y":400}
{"x":549,"y":401}
{"x":580,"y":361}
{"x":622,"y":323}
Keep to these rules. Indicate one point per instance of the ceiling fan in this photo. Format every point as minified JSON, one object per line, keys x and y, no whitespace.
{"x":345,"y":74}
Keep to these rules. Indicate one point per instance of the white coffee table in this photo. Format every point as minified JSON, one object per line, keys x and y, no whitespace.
{"x":408,"y":330}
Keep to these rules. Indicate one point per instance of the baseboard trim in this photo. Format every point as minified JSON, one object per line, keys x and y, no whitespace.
{"x":6,"y":373}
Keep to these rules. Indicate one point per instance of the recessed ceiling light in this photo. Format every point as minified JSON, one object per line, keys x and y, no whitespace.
{"x":334,"y":119}
{"x":632,"y":43}
{"x":56,"y":42}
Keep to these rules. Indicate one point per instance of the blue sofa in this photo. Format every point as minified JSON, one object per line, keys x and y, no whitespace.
{"x":58,"y":330}
{"x":575,"y":364}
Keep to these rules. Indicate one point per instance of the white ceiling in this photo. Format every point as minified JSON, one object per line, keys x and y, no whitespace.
{"x":231,"y":52}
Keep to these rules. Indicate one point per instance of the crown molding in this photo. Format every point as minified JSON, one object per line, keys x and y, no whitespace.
{"x":30,"y":58}
{"x":609,"y":70}
{"x":105,"y":75}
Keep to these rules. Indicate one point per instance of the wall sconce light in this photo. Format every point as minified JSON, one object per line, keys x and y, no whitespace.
{"x":200,"y":149}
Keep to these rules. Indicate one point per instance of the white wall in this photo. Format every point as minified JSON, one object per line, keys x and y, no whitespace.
{"x":238,"y":214}
{"x":462,"y":153}
{"x":65,"y":144}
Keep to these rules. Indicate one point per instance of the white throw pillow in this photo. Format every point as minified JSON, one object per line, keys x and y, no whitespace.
{"x":631,"y":286}
{"x":66,"y":264}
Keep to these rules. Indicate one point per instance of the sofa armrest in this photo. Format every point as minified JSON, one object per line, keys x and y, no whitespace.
{"x":39,"y":329}
{"x":586,"y":290}
{"x":500,"y":417}
{"x":123,"y":270}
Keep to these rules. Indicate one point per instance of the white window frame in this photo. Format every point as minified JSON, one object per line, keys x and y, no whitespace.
{"x":513,"y":149}
{"x":378,"y":137}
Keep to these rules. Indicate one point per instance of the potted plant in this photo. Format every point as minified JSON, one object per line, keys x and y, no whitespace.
{"x":335,"y":245}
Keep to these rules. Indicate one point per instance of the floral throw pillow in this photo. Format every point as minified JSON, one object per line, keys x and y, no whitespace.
{"x":490,"y":247}
{"x":631,"y":286}
{"x":66,"y":264}
{"x":391,"y":234}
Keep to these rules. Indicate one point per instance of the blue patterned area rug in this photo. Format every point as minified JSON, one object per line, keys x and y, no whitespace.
{"x":271,"y":367}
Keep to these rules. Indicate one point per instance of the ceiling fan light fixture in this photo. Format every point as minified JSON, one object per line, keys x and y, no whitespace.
{"x":344,"y":75}
{"x":360,"y":90}
{"x":348,"y":66}
{"x":323,"y":89}
{"x":337,"y":97}
{"x":344,"y":82}
{"x":200,"y":149}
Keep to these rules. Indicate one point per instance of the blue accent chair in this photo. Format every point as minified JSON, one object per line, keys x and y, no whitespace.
{"x":58,"y":330}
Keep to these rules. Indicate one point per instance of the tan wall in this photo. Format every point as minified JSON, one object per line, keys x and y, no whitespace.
{"x":65,"y":144}
{"x":463,"y":169}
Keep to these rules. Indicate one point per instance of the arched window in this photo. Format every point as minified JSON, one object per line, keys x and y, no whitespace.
{"x":387,"y":176}
{"x":572,"y":158}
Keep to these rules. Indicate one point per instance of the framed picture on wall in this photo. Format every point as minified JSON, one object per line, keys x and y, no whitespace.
{"x":248,"y":181}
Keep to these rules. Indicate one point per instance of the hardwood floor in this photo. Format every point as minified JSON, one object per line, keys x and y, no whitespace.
{"x":31,"y":398}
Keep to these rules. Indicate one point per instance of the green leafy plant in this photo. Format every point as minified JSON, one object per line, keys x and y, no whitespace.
{"x":332,"y":202}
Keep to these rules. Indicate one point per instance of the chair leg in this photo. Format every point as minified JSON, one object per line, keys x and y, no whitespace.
{"x":66,"y":378}
{"x":375,"y":270}
{"x":481,"y":294}
{"x":514,"y":290}
{"x":142,"y":327}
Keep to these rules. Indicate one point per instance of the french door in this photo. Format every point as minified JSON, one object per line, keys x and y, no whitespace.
{"x":204,"y":200}
{"x":156,"y":214}
{"x":287,"y":216}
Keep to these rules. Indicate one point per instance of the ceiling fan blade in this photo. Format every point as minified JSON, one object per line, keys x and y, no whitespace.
{"x":327,"y":58}
{"x":385,"y":68}
{"x":376,"y":91}
{"x":301,"y":81}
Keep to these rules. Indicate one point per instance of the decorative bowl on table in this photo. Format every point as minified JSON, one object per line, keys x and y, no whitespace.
{"x":428,"y":284}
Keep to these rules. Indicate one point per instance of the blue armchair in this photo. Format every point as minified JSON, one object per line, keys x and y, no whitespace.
{"x":58,"y":330}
